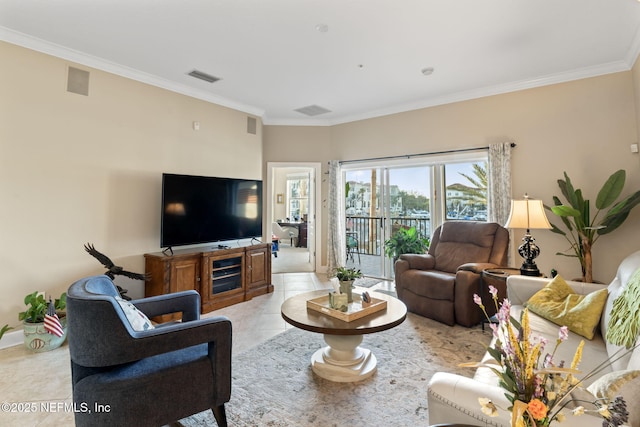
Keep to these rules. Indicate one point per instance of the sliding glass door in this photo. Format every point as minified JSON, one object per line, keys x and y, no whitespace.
{"x":421,"y":193}
{"x":378,"y":200}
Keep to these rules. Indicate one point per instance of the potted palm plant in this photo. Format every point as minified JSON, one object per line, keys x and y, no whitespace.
{"x":583,"y":228}
{"x":36,"y":336}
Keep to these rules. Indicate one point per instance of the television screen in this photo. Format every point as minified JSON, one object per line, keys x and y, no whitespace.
{"x":199,"y":209}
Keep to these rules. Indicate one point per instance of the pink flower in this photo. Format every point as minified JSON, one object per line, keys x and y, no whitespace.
{"x":477,"y":299}
{"x":494,"y":327}
{"x":505,"y":312}
{"x":563,"y":333}
{"x":493,"y":291}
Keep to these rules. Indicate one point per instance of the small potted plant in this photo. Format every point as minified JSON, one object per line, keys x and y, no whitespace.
{"x":346,"y":276}
{"x":36,"y":336}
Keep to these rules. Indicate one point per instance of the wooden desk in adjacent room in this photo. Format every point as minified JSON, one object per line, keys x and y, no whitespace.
{"x":301,"y":242}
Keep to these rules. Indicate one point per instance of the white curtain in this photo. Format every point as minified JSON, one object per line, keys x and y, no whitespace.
{"x":336,"y":253}
{"x":499,"y":182}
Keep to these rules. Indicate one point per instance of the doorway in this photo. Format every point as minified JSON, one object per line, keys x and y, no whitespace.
{"x":292,"y":203}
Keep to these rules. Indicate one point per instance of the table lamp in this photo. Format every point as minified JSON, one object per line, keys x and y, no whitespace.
{"x":528,"y":214}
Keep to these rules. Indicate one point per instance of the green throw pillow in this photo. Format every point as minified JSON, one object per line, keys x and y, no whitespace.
{"x":558,"y":303}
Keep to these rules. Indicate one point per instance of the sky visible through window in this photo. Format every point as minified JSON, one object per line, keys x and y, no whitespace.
{"x":415,"y":180}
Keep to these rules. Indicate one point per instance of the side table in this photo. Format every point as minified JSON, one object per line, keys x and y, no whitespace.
{"x":496,"y":277}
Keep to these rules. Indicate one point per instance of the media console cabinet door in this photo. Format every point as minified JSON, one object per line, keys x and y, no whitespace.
{"x":171,"y":274}
{"x":223,"y":282}
{"x":258,"y":270}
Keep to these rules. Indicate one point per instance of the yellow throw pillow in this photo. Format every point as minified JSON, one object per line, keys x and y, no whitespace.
{"x":558,"y":303}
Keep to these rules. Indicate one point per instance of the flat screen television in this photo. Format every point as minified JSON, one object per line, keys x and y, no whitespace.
{"x":200,"y":209}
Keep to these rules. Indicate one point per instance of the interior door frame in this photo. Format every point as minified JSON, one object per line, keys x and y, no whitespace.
{"x":314,"y":243}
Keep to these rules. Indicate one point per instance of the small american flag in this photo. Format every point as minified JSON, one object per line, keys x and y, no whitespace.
{"x":52,"y":322}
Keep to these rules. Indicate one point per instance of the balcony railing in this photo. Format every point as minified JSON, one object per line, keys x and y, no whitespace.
{"x":369,"y":231}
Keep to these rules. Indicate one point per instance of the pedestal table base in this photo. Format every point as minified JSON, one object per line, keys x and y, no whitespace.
{"x":343,"y":360}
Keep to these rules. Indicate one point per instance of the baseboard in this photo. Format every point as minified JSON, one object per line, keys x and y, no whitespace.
{"x":13,"y":338}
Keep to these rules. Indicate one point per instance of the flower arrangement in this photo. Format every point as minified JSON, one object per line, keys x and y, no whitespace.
{"x":538,"y":387}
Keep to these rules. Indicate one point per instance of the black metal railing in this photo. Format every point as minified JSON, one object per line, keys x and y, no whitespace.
{"x":368,"y":231}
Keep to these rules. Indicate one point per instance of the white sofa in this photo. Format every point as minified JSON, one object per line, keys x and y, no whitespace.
{"x":454,"y":398}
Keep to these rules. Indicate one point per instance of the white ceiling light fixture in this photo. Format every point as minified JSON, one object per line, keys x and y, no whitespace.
{"x":429,"y":70}
{"x":312,"y":110}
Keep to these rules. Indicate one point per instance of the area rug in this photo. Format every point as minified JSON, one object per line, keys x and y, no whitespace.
{"x":273,"y":384}
{"x":366,"y":282}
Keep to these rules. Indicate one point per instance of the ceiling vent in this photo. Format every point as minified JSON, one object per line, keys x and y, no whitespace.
{"x":203,"y":76}
{"x":312,"y":110}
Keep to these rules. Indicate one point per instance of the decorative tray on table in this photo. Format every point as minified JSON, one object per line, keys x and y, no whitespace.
{"x":357,"y":309}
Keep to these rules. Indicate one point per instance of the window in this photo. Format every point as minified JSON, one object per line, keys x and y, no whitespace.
{"x":421,"y":192}
{"x":297,"y":197}
{"x":465,"y":195}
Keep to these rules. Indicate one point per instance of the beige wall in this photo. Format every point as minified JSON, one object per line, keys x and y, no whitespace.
{"x":300,"y":144}
{"x":583,"y":127}
{"x":76,"y":169}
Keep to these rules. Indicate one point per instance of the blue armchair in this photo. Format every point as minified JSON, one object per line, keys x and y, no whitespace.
{"x":123,"y":376}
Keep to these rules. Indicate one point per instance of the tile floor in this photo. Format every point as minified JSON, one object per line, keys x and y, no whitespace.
{"x":39,"y":385}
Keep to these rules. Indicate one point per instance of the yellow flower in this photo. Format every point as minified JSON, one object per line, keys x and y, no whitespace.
{"x":578,"y":356}
{"x":488,"y":408}
{"x":537,"y":409}
{"x":578,"y":411}
{"x":532,"y":360}
{"x":560,"y":417}
{"x":551,"y":395}
{"x":604,"y":412}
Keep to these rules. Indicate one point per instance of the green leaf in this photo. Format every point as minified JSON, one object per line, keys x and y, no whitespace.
{"x":625,"y":205}
{"x":495,"y":354}
{"x":564,"y":210}
{"x":563,"y":189}
{"x":555,"y":229}
{"x":571,"y":193}
{"x":30,"y":297}
{"x":612,"y":222}
{"x":611,"y":190}
{"x":580,"y":202}
{"x":4,"y":329}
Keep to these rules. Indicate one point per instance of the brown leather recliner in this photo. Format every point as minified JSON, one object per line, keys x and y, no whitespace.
{"x":440,"y":284}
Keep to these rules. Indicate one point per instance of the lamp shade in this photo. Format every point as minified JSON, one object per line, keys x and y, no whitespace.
{"x":527,"y":214}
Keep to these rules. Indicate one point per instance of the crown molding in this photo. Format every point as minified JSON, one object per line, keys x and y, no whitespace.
{"x":634,"y":50}
{"x":43,"y":46}
{"x":583,"y":73}
{"x":78,"y":57}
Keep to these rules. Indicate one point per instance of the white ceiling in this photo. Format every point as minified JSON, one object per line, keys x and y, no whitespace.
{"x":272,"y":59}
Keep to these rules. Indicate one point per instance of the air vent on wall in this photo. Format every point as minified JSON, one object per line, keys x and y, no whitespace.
{"x":203,"y":76}
{"x":252,"y":125}
{"x":78,"y":81}
{"x":312,"y":110}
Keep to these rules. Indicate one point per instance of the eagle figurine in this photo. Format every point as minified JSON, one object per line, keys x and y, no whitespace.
{"x":113,"y":269}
